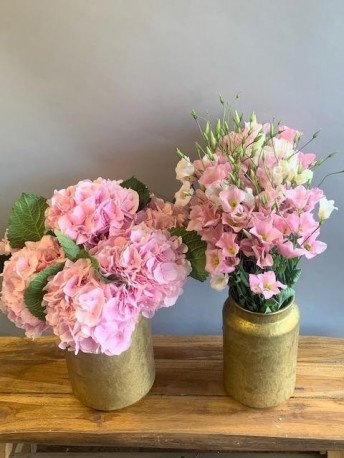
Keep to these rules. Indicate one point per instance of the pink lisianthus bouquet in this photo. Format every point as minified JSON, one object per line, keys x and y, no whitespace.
{"x":250,"y":198}
{"x":90,"y":260}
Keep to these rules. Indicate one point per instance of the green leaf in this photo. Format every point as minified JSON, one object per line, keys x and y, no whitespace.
{"x":294,"y":277}
{"x":26,"y":220}
{"x":244,"y":278}
{"x":71,"y":249}
{"x":3,"y":259}
{"x":74,"y":252}
{"x":34,"y":293}
{"x":142,"y":190}
{"x":196,"y":251}
{"x":270,"y":305}
{"x":285,"y":296}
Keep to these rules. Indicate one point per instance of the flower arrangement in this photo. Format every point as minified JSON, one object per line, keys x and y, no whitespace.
{"x":87,"y":262}
{"x":249,"y":196}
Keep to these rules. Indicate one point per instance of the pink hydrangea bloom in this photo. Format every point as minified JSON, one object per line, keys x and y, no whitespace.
{"x":151,"y":263}
{"x":146,"y":270}
{"x":159,"y":214}
{"x":5,"y":247}
{"x":92,"y":210}
{"x":19,"y":270}
{"x":87,"y":314}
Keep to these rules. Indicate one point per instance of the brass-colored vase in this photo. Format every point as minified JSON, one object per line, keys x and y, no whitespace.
{"x":259,"y":354}
{"x":113,"y":382}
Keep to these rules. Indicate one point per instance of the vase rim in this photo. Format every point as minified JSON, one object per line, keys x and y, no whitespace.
{"x":280,"y":311}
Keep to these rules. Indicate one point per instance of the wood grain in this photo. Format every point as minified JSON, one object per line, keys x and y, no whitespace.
{"x":187,"y":407}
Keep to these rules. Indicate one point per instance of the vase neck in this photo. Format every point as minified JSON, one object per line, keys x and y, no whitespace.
{"x":257,"y":317}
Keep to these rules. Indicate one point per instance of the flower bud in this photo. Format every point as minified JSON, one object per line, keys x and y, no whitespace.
{"x":236,"y":118}
{"x":213,"y":141}
{"x":218,"y":127}
{"x":326,"y":207}
{"x":206,"y":129}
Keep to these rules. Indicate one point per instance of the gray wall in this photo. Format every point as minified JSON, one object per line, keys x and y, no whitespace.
{"x":94,"y":88}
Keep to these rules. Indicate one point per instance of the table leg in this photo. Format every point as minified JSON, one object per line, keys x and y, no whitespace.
{"x":5,"y":450}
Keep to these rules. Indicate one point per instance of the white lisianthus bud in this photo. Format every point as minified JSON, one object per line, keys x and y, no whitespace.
{"x":184,"y":169}
{"x":326,"y":207}
{"x":219,"y":282}
{"x":184,"y":194}
{"x":306,"y":175}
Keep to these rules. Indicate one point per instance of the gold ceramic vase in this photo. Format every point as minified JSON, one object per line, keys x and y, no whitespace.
{"x":113,"y":382}
{"x":259,"y":354}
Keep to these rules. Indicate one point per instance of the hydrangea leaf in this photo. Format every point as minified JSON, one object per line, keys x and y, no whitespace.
{"x":74,"y":252}
{"x":26,"y":220}
{"x":196,"y":251}
{"x":34,"y":293}
{"x":70,"y":248}
{"x":142,"y":190}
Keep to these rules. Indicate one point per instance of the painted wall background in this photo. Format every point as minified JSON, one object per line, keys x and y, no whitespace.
{"x":94,"y":88}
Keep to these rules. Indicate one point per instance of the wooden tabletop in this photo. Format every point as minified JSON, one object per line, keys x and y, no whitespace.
{"x":187,"y":407}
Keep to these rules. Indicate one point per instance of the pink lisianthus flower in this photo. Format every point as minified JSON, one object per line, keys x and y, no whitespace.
{"x":92,"y":210}
{"x":253,"y":248}
{"x":265,"y":231}
{"x":303,"y":199}
{"x":231,"y":197}
{"x":228,"y":243}
{"x":18,"y":272}
{"x":288,"y":134}
{"x":216,"y":262}
{"x":215,"y":174}
{"x":237,"y":220}
{"x":289,"y":251}
{"x":251,"y":201}
{"x":306,"y":159}
{"x":312,"y":247}
{"x":265,"y":284}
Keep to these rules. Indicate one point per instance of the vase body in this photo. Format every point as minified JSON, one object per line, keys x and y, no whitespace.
{"x":113,"y":382}
{"x":260,"y":354}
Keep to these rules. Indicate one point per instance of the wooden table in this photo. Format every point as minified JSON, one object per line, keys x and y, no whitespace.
{"x":187,"y":407}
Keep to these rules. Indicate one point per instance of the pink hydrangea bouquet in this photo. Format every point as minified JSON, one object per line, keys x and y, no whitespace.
{"x":249,"y":196}
{"x":87,"y":262}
